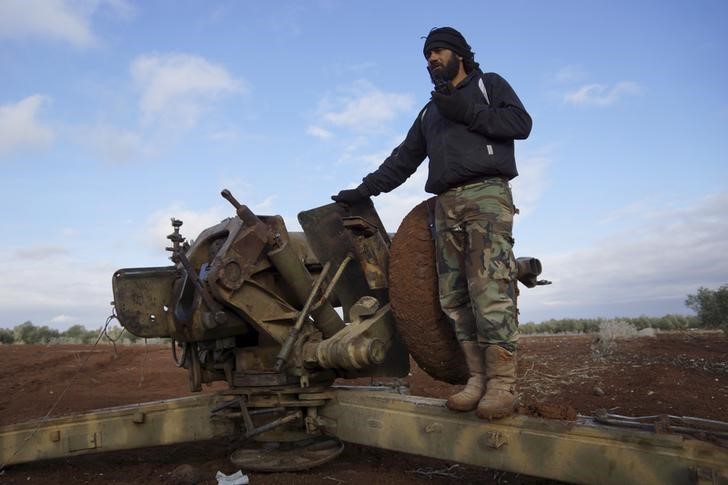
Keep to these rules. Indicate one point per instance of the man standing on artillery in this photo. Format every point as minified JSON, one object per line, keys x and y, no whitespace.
{"x":467,"y":130}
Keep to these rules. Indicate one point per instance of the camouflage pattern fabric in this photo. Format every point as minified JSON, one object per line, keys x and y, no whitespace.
{"x":475,"y":263}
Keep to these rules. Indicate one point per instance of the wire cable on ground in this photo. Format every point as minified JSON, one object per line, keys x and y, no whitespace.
{"x":63,"y":393}
{"x":114,"y":340}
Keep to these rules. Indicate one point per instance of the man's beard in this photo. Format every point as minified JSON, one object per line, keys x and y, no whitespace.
{"x":451,"y":69}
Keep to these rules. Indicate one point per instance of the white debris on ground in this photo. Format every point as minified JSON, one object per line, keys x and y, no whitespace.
{"x":236,"y":478}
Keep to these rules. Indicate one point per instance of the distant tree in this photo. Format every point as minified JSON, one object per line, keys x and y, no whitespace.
{"x":593,"y":325}
{"x":75,"y":331}
{"x":47,"y":335}
{"x":78,"y":333}
{"x":130,"y":337}
{"x":675,"y":322}
{"x":566,"y":325}
{"x":711,"y":307}
{"x":28,"y":333}
{"x":641,"y":322}
{"x":25,"y":332}
{"x":114,"y":332}
{"x":7,"y":336}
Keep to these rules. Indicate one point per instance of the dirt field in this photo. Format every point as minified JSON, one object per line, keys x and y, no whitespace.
{"x":678,"y":373}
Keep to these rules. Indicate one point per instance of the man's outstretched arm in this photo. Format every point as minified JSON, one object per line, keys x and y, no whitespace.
{"x":397,"y":168}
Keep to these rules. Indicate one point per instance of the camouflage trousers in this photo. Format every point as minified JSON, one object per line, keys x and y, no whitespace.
{"x":475,"y":263}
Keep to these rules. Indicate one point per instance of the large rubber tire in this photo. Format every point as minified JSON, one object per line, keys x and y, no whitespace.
{"x":413,"y":294}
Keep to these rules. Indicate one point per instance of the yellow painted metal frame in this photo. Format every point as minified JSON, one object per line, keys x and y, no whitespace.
{"x":112,"y":429}
{"x":580,"y":452}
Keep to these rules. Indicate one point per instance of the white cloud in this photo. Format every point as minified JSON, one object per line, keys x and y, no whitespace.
{"x":353,"y":152}
{"x":41,"y":251}
{"x":340,"y":70}
{"x":177,"y":88}
{"x":239,"y":186}
{"x":20,"y":128}
{"x":62,"y":20}
{"x":264,"y":207}
{"x":318,"y":132}
{"x":158,"y":224}
{"x":649,"y":267}
{"x":361,"y":106}
{"x":62,"y":319}
{"x":285,"y":23}
{"x":46,"y":290}
{"x":111,"y":144}
{"x":528,"y":188}
{"x":122,"y":8}
{"x":530,"y":184}
{"x":568,"y":74}
{"x":226,"y":135}
{"x":394,"y":206}
{"x":625,"y":213}
{"x":600,"y":94}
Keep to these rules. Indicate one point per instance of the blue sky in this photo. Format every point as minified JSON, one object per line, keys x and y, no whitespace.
{"x":117,"y":115}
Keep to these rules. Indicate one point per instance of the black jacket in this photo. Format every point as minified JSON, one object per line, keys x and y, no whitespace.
{"x":459,"y":153}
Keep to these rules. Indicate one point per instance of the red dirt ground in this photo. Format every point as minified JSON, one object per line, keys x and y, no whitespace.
{"x":682,"y":374}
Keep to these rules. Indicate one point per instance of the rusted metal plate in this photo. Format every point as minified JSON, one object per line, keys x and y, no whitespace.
{"x":332,"y":242}
{"x":249,"y":379}
{"x":414,"y":297}
{"x":142,"y":299}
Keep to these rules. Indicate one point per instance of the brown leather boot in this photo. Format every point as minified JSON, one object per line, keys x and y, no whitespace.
{"x":500,"y":396}
{"x":467,"y":399}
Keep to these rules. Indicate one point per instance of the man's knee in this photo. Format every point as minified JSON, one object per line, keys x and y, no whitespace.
{"x":463,"y":321}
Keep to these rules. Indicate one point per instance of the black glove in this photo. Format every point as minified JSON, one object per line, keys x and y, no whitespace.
{"x":351,"y":196}
{"x":454,"y":106}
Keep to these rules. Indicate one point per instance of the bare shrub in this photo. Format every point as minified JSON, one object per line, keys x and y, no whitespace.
{"x":647,"y":332}
{"x":616,"y":329}
{"x":609,"y":332}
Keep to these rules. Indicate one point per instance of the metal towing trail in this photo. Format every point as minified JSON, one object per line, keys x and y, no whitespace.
{"x":579,"y":452}
{"x":280,"y":316}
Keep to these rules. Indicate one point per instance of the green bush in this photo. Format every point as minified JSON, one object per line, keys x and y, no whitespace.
{"x":593,"y":325}
{"x":78,"y":333}
{"x":711,"y":307}
{"x":6,"y":336}
{"x":28,"y":333}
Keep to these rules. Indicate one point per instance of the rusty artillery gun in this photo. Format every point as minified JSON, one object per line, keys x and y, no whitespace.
{"x":281,"y":316}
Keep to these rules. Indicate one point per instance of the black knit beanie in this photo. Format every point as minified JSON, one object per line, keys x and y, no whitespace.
{"x":447,"y":38}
